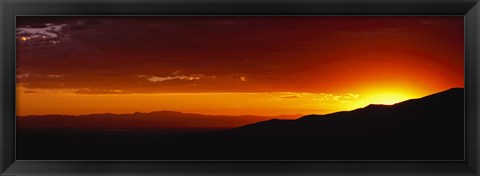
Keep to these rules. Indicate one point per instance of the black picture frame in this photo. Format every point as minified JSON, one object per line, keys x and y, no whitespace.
{"x":11,"y":8}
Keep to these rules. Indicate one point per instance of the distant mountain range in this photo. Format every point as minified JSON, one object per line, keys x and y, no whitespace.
{"x":140,"y":121}
{"x":428,"y":128}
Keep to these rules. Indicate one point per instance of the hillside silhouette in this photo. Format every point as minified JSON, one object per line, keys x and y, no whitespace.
{"x":428,"y":128}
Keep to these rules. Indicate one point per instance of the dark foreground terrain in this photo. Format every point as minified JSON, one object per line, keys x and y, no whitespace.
{"x":429,"y":128}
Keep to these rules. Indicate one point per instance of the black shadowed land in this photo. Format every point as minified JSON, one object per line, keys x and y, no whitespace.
{"x":429,"y":128}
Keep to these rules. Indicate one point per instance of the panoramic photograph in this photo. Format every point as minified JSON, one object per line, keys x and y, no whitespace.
{"x":240,"y":88}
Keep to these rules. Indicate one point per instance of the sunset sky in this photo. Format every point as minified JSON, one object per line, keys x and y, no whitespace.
{"x":233,"y":65}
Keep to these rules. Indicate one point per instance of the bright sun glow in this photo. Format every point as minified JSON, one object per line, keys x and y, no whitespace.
{"x":388,"y":98}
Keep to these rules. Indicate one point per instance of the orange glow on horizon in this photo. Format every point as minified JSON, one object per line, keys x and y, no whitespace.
{"x":262,"y":65}
{"x":263,"y":104}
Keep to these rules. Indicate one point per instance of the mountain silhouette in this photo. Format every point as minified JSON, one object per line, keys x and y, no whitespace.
{"x":138,"y":121}
{"x":428,"y":128}
{"x":440,"y":110}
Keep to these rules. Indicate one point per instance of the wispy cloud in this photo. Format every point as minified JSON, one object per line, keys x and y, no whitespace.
{"x":291,"y":96}
{"x":335,"y":97}
{"x":46,"y":36}
{"x":55,"y":76}
{"x":171,"y":77}
{"x":279,"y":96}
{"x":340,"y":98}
{"x":314,"y":97}
{"x":21,"y":87}
{"x":50,"y":31}
{"x":22,"y":75}
{"x":100,"y":91}
{"x":243,"y":78}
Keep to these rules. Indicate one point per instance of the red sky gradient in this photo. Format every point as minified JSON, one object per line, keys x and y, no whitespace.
{"x":233,"y":65}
